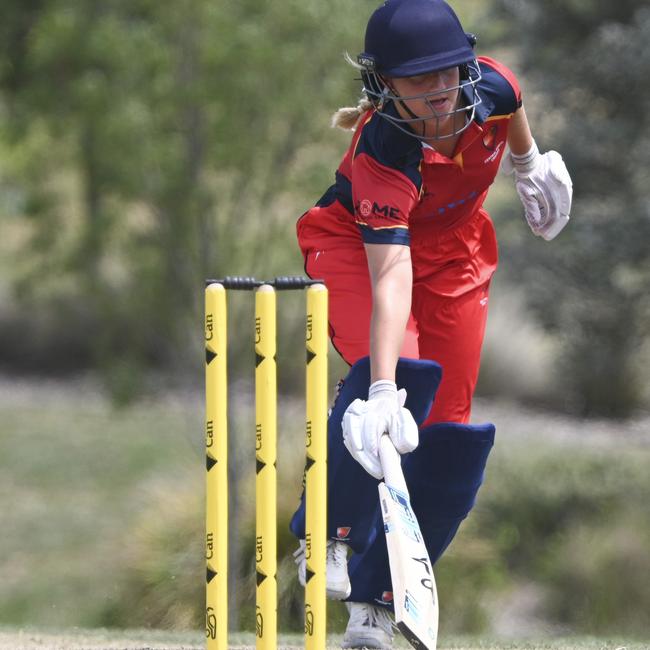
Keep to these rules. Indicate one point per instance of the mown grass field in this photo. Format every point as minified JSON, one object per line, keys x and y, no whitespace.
{"x":158,"y":640}
{"x":77,"y":476}
{"x":95,"y":500}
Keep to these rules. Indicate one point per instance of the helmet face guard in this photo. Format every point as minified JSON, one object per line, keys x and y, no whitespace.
{"x":380,"y":92}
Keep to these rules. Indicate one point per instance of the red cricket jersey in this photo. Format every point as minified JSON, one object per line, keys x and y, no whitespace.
{"x":391,"y":188}
{"x":394,"y":187}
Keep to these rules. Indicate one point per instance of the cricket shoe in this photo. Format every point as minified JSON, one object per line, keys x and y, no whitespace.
{"x":338,"y":582}
{"x":368,"y":627}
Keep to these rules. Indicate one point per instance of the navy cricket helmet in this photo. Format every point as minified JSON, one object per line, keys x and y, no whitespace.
{"x":405,"y":38}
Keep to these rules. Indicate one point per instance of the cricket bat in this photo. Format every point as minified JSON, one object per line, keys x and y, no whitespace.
{"x":415,"y":597}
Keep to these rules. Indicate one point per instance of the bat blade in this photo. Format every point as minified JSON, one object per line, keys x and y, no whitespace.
{"x":415,"y":597}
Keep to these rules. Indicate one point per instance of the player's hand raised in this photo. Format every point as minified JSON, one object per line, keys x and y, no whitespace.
{"x":544,"y":187}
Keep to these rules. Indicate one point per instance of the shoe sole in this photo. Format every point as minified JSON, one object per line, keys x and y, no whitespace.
{"x":339,"y":591}
{"x":371,"y":644}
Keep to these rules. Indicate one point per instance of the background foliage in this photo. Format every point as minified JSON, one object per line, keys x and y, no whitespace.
{"x":145,"y":146}
{"x":591,"y":288}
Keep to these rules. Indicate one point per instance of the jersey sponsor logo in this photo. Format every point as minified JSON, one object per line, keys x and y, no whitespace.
{"x":494,"y":154}
{"x":365,"y":208}
{"x":368,"y":208}
{"x":343,"y":532}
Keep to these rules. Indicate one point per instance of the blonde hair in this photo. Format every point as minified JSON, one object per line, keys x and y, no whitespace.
{"x":348,"y":117}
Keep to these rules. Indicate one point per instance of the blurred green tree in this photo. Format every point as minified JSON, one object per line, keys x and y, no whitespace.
{"x":151,"y":145}
{"x":154,"y":145}
{"x":590,"y":285}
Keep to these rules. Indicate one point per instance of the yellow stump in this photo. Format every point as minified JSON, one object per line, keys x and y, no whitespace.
{"x":265,"y":482}
{"x":216,"y":444}
{"x":316,"y":469}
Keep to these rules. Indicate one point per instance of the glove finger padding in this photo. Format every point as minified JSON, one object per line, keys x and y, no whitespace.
{"x":557,"y":187}
{"x":564,"y":186}
{"x":546,"y":194}
{"x":402,"y":428}
{"x":361,"y":431}
{"x":404,"y":431}
{"x":536,"y":207}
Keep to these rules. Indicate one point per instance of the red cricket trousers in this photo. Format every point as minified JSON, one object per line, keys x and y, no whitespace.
{"x":451,"y":278}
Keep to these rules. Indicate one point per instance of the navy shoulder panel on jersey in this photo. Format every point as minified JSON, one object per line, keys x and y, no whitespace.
{"x":341,"y":191}
{"x":498,"y":90}
{"x":391,"y":147}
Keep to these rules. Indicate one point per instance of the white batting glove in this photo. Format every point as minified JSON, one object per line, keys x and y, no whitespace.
{"x":364,"y":422}
{"x":544,"y":187}
{"x":402,"y":429}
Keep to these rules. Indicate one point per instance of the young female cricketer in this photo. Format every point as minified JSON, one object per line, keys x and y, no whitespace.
{"x":407,"y":252}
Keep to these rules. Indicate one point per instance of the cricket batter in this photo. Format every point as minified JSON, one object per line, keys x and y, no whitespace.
{"x":407,"y":252}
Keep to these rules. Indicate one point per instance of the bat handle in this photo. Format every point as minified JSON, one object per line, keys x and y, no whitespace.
{"x":391,"y":463}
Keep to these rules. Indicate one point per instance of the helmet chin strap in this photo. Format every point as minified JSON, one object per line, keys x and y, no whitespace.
{"x":413,"y":116}
{"x":408,"y":111}
{"x":419,"y":118}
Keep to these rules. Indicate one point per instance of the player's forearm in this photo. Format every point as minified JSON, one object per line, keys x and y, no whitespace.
{"x":386,"y":336}
{"x":520,"y":139}
{"x":392,"y":278}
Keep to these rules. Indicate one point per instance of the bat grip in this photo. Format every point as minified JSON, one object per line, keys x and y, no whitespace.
{"x":391,"y":463}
